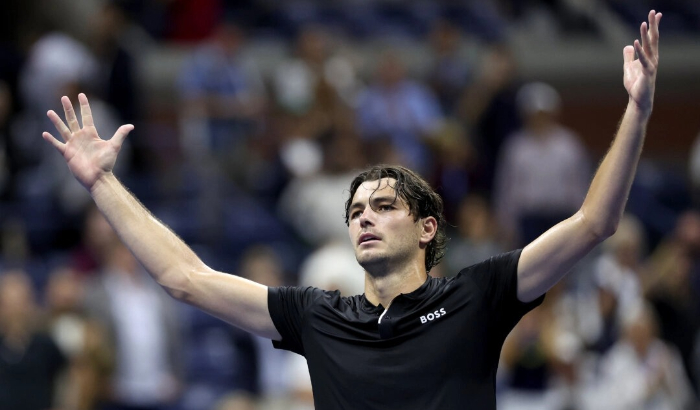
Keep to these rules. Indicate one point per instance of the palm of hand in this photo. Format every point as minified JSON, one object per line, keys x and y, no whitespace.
{"x":639,"y":83}
{"x":640,"y":73}
{"x":88,"y":156}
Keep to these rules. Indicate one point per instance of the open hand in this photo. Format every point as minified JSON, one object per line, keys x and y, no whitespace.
{"x":640,"y":73}
{"x":88,"y":156}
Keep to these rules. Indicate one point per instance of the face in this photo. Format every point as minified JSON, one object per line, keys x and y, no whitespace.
{"x":16,"y":296}
{"x":385,"y":235}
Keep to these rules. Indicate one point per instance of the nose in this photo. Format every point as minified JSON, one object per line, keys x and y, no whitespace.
{"x":365,"y":217}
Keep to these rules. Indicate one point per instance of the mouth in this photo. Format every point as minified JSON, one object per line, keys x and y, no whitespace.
{"x":367,"y":238}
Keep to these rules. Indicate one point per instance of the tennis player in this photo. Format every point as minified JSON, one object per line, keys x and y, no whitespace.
{"x":410,"y":341}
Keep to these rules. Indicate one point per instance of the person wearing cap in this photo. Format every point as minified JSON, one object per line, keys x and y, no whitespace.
{"x":542,"y":171}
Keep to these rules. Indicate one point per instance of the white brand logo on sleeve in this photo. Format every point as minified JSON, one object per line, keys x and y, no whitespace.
{"x":432,"y":316}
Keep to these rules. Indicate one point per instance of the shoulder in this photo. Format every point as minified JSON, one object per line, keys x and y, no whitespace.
{"x":500,"y":261}
{"x":499,"y":268}
{"x":306,"y":293}
{"x":309,"y":297}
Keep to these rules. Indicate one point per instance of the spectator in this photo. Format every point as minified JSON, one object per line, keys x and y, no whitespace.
{"x":142,"y":324}
{"x":312,"y":90}
{"x":334,"y":265}
{"x":223,"y":102}
{"x":220,"y":361}
{"x":542,"y":171}
{"x":610,"y":287}
{"x":671,"y":291}
{"x":640,"y":371}
{"x":310,"y":202}
{"x":598,"y":313}
{"x":55,"y":62}
{"x":116,"y":82}
{"x":458,"y":159}
{"x":31,"y":362}
{"x":81,"y":340}
{"x":314,"y":80}
{"x":95,"y":243}
{"x":401,"y":112}
{"x":223,"y":95}
{"x":528,"y":362}
{"x":620,"y":265}
{"x":453,"y":65}
{"x":263,"y":264}
{"x":489,"y":110}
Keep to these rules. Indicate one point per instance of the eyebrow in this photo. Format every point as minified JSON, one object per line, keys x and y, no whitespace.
{"x":375,"y":201}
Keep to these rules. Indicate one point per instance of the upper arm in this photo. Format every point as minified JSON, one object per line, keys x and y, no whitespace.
{"x":548,"y":258}
{"x":236,"y":300}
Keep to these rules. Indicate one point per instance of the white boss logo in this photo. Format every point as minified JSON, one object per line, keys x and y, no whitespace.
{"x":432,"y":316}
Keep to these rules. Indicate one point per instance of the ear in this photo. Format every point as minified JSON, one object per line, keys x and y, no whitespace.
{"x":428,"y":229}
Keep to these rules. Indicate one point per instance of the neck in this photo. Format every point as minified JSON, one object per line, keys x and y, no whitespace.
{"x":382,"y":289}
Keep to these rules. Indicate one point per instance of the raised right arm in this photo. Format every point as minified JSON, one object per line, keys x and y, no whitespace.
{"x":165,"y":256}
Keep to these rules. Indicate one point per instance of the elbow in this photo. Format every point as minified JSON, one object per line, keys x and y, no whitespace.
{"x":606,"y":232}
{"x":601,"y":227}
{"x":177,"y":293}
{"x":176,"y":285}
{"x":179,"y":283}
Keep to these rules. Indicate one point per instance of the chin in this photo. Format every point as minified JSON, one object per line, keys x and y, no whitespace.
{"x":375,"y":265}
{"x":372,"y":263}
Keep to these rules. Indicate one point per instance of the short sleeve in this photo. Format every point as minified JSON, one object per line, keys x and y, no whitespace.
{"x":287,"y":306}
{"x":498,"y":278}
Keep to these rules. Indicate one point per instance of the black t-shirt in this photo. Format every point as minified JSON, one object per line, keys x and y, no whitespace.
{"x":27,"y":378}
{"x":434,"y":348}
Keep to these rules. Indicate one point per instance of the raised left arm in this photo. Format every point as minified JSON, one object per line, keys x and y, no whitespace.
{"x":548,"y":258}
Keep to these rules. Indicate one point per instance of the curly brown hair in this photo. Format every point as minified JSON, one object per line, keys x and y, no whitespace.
{"x":422,"y":202}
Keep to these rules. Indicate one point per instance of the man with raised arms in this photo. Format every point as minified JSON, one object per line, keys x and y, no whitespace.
{"x":410,"y":341}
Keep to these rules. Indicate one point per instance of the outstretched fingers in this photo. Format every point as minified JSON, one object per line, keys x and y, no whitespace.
{"x":119,"y":136}
{"x":643,"y":58}
{"x":70,"y":114}
{"x":628,"y":54}
{"x":644,"y":38}
{"x":61,"y":127}
{"x":654,"y":19}
{"x":647,"y":47}
{"x":650,"y":36}
{"x":61,"y":147}
{"x":85,"y":111}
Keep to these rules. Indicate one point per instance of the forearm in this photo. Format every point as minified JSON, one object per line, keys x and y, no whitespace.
{"x":609,"y":190}
{"x":177,"y":268}
{"x":545,"y":260}
{"x":168,"y":259}
{"x":164,"y":255}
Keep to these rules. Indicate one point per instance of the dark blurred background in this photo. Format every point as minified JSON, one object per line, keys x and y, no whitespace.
{"x":251,"y":119}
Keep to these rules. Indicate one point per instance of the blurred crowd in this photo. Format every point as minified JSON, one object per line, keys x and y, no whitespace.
{"x":251,"y":168}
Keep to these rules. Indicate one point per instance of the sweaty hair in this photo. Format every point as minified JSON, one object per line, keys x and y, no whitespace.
{"x":422,"y":202}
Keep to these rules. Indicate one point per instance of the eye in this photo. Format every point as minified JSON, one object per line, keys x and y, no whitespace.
{"x":384,"y":207}
{"x":355,"y":214}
